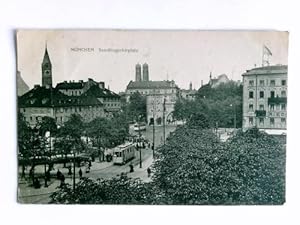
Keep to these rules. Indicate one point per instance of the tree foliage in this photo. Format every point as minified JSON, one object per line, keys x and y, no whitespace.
{"x":136,"y":107}
{"x":222,"y":105}
{"x":194,"y":167}
{"x":118,"y":190}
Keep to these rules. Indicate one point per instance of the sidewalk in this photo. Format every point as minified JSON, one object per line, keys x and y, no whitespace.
{"x":142,"y":172}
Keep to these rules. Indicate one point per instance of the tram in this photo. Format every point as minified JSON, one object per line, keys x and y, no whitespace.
{"x":139,"y":126}
{"x":124,"y":153}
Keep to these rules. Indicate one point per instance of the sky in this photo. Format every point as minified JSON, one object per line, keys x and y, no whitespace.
{"x":111,"y":55}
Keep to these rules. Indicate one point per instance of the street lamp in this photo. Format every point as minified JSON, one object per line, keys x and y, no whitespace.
{"x":153,"y":125}
{"x":139,"y":141}
{"x":164,"y":124}
{"x":234,"y":108}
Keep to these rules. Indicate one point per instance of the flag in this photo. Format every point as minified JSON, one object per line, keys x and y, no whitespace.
{"x":267,"y":50}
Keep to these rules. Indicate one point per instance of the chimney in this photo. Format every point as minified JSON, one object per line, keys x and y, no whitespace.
{"x":138,"y":73}
{"x":201,"y":83}
{"x":191,"y":86}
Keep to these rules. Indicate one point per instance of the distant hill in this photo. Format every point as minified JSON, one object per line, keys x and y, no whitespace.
{"x":22,"y":87}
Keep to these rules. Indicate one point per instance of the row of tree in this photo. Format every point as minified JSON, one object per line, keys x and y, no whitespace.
{"x":39,"y":144}
{"x":222,"y":105}
{"x":194,"y":167}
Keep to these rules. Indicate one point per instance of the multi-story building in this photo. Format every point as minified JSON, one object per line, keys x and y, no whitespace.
{"x":189,"y":94}
{"x":265,"y":97}
{"x":44,"y":101}
{"x":159,"y":95}
{"x":221,"y":79}
{"x":89,"y":99}
{"x":159,"y":107}
{"x":148,"y":87}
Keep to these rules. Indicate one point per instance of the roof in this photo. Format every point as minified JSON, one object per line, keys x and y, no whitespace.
{"x":70,"y":85}
{"x":100,"y":92}
{"x":52,"y":97}
{"x":46,"y":58}
{"x":191,"y":92}
{"x":151,"y":84}
{"x":274,"y":132}
{"x":277,"y":69}
{"x":22,"y":87}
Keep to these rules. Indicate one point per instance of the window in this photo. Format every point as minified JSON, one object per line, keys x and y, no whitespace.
{"x":283,"y":93}
{"x":250,"y":94}
{"x":261,"y":121}
{"x":261,"y":94}
{"x":250,"y":107}
{"x":283,"y":106}
{"x":272,"y":94}
{"x":24,"y":110}
{"x":283,"y":82}
{"x":31,"y":118}
{"x":283,"y":120}
{"x":261,"y":83}
{"x":251,"y":82}
{"x":272,"y":121}
{"x":251,"y":120}
{"x":272,"y":83}
{"x":261,"y":107}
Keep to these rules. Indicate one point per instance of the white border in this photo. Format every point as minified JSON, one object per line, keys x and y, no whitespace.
{"x":134,"y":14}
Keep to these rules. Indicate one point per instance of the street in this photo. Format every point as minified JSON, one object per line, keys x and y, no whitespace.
{"x":106,"y":170}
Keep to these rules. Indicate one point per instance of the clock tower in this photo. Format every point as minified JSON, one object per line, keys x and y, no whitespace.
{"x":46,"y":71}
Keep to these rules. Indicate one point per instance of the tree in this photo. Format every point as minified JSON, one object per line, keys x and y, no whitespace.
{"x":24,"y":142}
{"x":222,"y":105}
{"x":108,"y":133}
{"x":69,"y":136}
{"x":119,"y":190}
{"x":136,"y":107}
{"x":257,"y":161}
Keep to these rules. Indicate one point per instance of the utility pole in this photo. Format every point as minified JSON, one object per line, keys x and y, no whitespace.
{"x":153,"y":110}
{"x":164,"y":124}
{"x":74,"y":170}
{"x":139,"y":142}
{"x":234,"y":116}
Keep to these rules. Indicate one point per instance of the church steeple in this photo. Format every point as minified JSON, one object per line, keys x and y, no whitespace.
{"x":46,"y":70}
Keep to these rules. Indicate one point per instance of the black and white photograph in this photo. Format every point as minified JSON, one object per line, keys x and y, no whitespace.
{"x":151,"y":117}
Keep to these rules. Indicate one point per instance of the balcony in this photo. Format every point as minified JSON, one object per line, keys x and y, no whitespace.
{"x":260,"y":113}
{"x":276,"y":100}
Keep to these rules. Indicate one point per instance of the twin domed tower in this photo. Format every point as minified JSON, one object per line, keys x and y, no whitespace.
{"x":138,"y":72}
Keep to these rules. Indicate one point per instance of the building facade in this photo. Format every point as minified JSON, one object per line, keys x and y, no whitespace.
{"x":89,"y":99}
{"x":160,"y":108}
{"x":189,"y":94}
{"x":265,"y":98}
{"x":221,"y":79}
{"x":159,"y":95}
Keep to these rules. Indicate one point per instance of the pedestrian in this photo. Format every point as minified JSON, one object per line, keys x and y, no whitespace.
{"x":149,"y":171}
{"x":131,"y":168}
{"x":62,"y":180}
{"x":58,"y":174}
{"x":47,"y":175}
{"x":70,"y":171}
{"x":80,"y":173}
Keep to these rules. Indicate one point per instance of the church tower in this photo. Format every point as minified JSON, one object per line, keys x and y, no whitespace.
{"x":145,"y":72}
{"x":46,"y":70}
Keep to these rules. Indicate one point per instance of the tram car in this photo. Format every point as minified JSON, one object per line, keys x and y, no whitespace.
{"x":124,"y":153}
